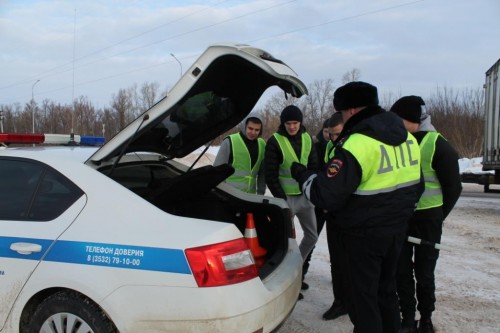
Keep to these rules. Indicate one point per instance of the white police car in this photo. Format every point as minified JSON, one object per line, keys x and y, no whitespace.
{"x":126,"y":238}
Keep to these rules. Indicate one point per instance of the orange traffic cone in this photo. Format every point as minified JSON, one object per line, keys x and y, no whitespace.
{"x":258,"y":252}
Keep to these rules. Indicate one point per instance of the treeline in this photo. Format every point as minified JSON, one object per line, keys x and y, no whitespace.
{"x":458,"y":115}
{"x":82,"y":117}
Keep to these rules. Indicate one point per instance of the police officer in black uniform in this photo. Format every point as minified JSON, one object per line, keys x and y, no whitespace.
{"x":442,"y":189}
{"x":371,"y":184}
{"x":340,"y":282}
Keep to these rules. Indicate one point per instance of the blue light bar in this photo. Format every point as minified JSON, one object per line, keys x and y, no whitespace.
{"x":87,"y":140}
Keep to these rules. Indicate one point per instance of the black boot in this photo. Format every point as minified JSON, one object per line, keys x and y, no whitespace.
{"x":425,"y":326}
{"x":408,"y":328}
{"x":337,"y":309}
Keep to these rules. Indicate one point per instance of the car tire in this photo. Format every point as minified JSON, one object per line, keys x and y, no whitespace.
{"x":69,"y":311}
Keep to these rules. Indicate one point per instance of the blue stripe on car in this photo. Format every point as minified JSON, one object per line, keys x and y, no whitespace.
{"x":102,"y":254}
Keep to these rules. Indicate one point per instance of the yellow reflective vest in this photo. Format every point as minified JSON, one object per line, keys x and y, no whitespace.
{"x":329,"y":151}
{"x":433,"y":195}
{"x":290,"y":185}
{"x":387,"y":168}
{"x":244,"y":177}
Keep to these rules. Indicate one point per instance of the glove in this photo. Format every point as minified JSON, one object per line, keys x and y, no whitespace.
{"x":297,"y":171}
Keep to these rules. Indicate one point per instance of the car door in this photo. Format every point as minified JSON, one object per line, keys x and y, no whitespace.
{"x":36,"y":205}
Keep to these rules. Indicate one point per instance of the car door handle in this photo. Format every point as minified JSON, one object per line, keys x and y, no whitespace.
{"x":25,"y":248}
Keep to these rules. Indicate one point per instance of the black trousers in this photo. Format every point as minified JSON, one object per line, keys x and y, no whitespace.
{"x":338,"y":265}
{"x":416,"y":269}
{"x":371,"y":267}
{"x":340,"y":285}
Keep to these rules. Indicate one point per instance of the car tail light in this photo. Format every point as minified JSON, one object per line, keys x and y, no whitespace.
{"x":222,"y":263}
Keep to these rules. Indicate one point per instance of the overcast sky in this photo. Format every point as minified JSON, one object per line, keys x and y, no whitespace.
{"x":93,"y":48}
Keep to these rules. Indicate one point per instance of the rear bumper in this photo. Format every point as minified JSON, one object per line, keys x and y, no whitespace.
{"x":244,"y":307}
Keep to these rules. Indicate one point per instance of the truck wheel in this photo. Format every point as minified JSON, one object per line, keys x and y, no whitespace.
{"x":70,"y":312}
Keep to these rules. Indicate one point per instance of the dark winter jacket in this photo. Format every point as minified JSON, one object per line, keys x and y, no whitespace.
{"x":378,"y":214}
{"x":274,"y":157}
{"x":445,"y":163}
{"x":320,"y":146}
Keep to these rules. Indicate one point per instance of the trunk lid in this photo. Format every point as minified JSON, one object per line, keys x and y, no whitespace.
{"x":217,"y":92}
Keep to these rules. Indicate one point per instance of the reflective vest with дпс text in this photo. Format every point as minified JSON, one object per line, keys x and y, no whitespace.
{"x":244,"y":177}
{"x":385,"y":168}
{"x":433,"y":195}
{"x":290,"y":185}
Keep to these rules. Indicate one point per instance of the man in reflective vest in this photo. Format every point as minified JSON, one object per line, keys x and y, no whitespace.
{"x":291,"y":143}
{"x":320,"y":141}
{"x":244,"y":151}
{"x":442,"y":190}
{"x":371,"y":185}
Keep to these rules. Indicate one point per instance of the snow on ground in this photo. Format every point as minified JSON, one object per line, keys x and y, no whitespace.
{"x":467,"y":276}
{"x":470,"y":165}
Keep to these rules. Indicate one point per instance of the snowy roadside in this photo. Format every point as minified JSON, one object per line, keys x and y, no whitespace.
{"x":467,"y":277}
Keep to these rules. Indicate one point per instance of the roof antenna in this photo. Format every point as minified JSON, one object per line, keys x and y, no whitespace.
{"x":72,"y":134}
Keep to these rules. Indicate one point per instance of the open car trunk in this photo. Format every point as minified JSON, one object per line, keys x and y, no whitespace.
{"x":197,"y":194}
{"x":215,"y":94}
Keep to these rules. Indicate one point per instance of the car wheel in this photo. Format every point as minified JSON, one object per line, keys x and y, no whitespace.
{"x":70,"y":312}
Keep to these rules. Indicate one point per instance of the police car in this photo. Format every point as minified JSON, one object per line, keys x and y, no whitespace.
{"x":126,"y":237}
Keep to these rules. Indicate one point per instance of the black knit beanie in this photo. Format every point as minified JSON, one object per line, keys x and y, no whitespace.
{"x":355,"y":94}
{"x":291,"y":113}
{"x":409,"y":108}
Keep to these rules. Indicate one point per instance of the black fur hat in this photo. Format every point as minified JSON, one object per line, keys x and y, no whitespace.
{"x":355,"y":94}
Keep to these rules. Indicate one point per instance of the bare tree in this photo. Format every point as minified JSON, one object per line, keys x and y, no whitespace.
{"x":110,"y":125}
{"x":87,"y":117}
{"x":353,"y":75}
{"x":318,"y":105}
{"x":460,"y":118}
{"x":123,"y":106}
{"x":29,"y":116}
{"x":149,"y":94}
{"x":455,"y":114}
{"x":10,"y":116}
{"x":388,"y":99}
{"x":59,"y":118}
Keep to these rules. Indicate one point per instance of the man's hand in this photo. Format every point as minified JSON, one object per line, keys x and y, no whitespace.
{"x":297,"y":170}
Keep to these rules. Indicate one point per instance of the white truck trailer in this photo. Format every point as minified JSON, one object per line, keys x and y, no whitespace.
{"x":491,"y":151}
